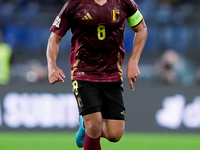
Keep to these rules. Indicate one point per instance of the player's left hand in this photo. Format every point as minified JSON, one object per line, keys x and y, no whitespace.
{"x":132,"y":73}
{"x":55,"y":75}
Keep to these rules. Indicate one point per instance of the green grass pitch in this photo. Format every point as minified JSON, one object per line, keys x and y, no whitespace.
{"x":130,"y":141}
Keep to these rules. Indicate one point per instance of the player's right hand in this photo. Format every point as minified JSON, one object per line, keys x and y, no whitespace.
{"x":55,"y":75}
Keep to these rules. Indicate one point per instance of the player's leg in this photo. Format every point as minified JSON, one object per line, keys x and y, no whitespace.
{"x":113,"y":111}
{"x":113,"y":129}
{"x":93,"y":129}
{"x":93,"y":124}
{"x":90,"y":129}
{"x":96,"y":128}
{"x":88,"y":95}
{"x":89,"y":105}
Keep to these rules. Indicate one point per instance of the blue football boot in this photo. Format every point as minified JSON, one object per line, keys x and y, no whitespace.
{"x":80,"y":134}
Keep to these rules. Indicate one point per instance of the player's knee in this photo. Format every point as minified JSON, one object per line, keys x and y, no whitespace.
{"x":94,"y":129}
{"x":114,"y":137}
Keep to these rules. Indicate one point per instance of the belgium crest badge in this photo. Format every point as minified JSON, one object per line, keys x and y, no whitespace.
{"x":115,"y":15}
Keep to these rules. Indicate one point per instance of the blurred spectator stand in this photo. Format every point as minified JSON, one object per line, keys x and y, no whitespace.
{"x":5,"y":56}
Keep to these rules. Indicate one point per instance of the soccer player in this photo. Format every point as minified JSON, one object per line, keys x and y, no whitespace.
{"x":96,"y":58}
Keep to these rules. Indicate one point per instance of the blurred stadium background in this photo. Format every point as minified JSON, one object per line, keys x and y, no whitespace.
{"x":165,"y":105}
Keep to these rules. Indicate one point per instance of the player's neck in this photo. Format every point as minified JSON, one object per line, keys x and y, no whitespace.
{"x":100,"y":2}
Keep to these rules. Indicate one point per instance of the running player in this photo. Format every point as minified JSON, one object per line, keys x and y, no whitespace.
{"x":96,"y":58}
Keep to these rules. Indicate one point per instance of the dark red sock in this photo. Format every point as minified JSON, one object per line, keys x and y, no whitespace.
{"x":91,"y":144}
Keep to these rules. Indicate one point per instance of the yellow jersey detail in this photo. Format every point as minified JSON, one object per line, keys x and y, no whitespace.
{"x":87,"y":17}
{"x":119,"y":65}
{"x":74,"y":68}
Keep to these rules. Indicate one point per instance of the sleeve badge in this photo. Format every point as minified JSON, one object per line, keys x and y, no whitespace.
{"x":57,"y":22}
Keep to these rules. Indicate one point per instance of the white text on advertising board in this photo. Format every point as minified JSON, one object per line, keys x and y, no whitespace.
{"x":40,"y":110}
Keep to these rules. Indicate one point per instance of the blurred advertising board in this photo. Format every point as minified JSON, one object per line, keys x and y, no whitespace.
{"x":32,"y":108}
{"x":39,"y":110}
{"x":163,"y":108}
{"x":149,"y":108}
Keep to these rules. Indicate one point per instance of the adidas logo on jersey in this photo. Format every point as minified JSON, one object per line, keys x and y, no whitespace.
{"x":87,"y":17}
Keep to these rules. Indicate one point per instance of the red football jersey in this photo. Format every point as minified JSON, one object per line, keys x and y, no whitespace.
{"x":97,"y":49}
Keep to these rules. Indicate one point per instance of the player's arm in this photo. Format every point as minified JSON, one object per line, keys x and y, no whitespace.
{"x":54,"y":73}
{"x":138,"y":45}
